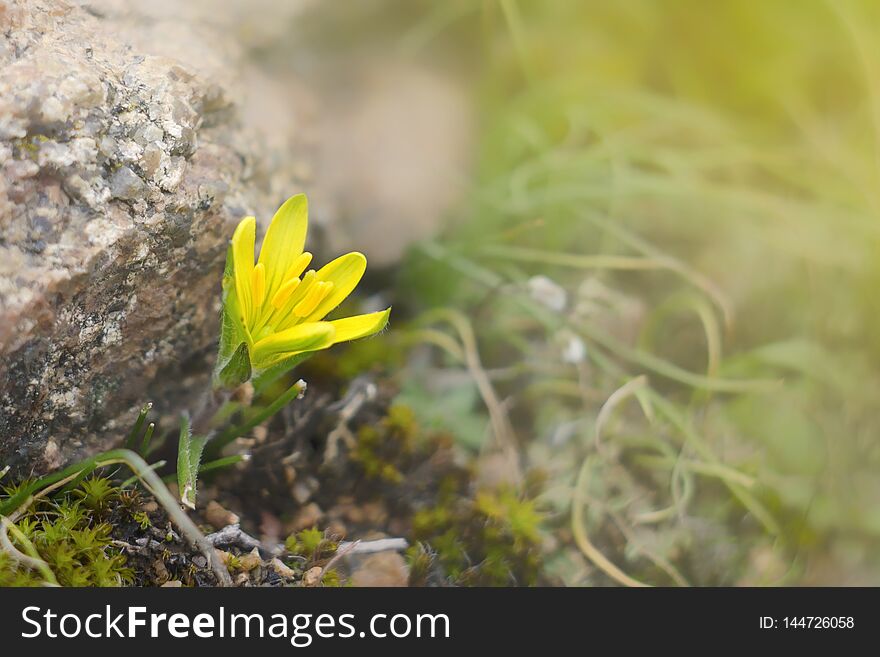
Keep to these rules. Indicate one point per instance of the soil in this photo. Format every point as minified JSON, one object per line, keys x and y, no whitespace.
{"x":345,"y":463}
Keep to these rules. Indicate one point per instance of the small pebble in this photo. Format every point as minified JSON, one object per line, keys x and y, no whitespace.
{"x":312,"y":576}
{"x":218,"y":516}
{"x":282,"y":569}
{"x":308,"y":517}
{"x":251,"y":560}
{"x":384,"y":569}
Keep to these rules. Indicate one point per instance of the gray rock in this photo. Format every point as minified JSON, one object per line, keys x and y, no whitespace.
{"x":125,"y":164}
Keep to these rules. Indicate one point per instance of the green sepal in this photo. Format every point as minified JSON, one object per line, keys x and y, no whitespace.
{"x":233,"y":358}
{"x":235,"y":370}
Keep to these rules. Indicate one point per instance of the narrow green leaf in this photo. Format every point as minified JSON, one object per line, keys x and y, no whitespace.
{"x":158,"y":465}
{"x":138,"y":425}
{"x":196,"y":448}
{"x":184,"y":478}
{"x":148,"y":437}
{"x":223,"y":462}
{"x":189,"y":456}
{"x":183,"y":456}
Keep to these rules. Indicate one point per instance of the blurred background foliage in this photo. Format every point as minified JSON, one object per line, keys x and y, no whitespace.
{"x":655,"y":307}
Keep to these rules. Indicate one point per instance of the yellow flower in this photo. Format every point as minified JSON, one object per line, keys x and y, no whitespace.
{"x":274,"y":310}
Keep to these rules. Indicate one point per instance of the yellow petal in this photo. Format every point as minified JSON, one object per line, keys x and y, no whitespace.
{"x":359,"y":326}
{"x":243,"y":264}
{"x":345,"y":273}
{"x":258,"y":285}
{"x":284,"y":241}
{"x":304,"y":337}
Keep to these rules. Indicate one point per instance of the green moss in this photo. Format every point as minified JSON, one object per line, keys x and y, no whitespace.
{"x":331,"y":578}
{"x":11,"y":490}
{"x":96,"y":493}
{"x":421,"y":561}
{"x":491,"y":540}
{"x":142,"y":519}
{"x":312,"y":544}
{"x":381,"y":448}
{"x":71,"y":535}
{"x":131,"y":500}
{"x":310,"y":548}
{"x":233,"y":562}
{"x":506,"y":511}
{"x":401,"y":421}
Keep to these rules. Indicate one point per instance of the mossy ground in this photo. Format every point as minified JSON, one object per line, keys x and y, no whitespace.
{"x":73,"y":534}
{"x":347,"y":462}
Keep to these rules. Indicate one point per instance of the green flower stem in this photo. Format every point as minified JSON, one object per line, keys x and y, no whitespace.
{"x":230,"y":434}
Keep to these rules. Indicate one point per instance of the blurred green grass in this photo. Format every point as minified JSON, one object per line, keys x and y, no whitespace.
{"x":701,"y":183}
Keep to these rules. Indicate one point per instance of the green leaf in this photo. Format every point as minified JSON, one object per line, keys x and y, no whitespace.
{"x":189,"y":457}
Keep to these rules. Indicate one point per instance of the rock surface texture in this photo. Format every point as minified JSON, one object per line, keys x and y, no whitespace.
{"x":125,"y":162}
